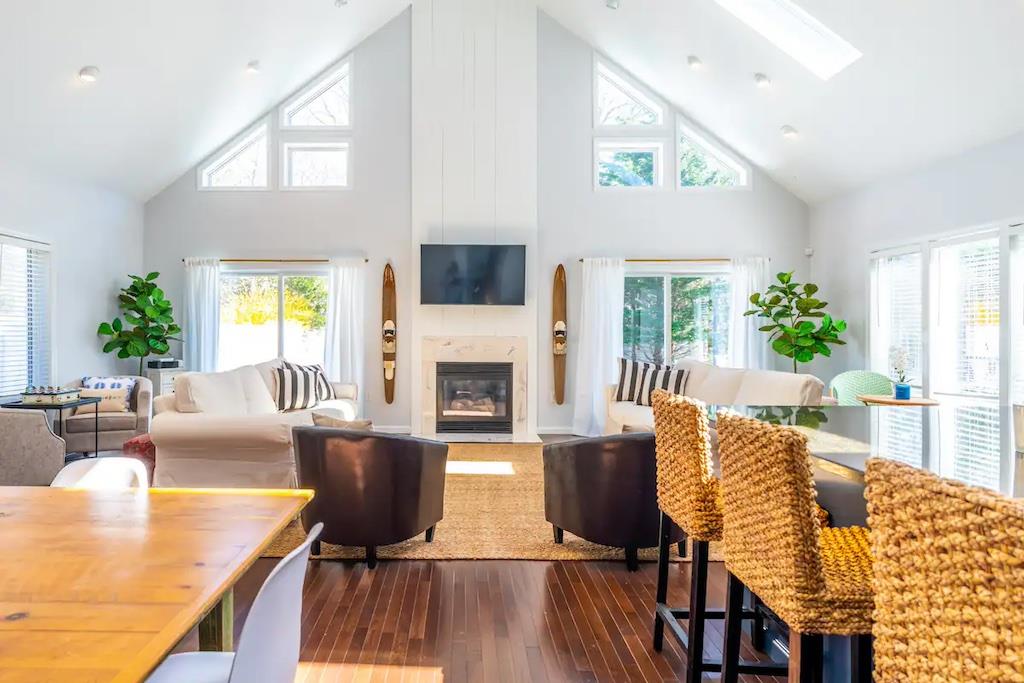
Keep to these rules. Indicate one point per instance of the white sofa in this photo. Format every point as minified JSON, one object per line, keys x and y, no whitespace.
{"x":223,"y":429}
{"x":723,"y":386}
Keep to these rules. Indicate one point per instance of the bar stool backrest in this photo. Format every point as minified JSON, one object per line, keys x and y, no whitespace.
{"x":688,"y":492}
{"x":771,"y":531}
{"x":948,"y":578}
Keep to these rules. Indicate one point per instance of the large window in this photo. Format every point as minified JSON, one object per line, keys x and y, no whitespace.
{"x":671,"y":316}
{"x":953,"y":351}
{"x":265,"y":315}
{"x":24,"y":315}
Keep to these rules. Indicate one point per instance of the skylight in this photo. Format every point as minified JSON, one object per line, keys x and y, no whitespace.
{"x":797,"y":33}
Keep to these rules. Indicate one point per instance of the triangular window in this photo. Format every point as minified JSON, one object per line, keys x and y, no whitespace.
{"x":702,"y":164}
{"x":620,"y":103}
{"x":326,"y":104}
{"x":242,"y":164}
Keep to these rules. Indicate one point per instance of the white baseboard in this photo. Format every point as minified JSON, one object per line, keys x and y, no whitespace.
{"x":567,"y":429}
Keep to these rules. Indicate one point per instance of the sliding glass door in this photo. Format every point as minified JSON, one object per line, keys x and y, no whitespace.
{"x":938,"y":304}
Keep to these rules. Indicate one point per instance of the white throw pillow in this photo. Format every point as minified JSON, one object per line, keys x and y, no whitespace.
{"x":235,"y":392}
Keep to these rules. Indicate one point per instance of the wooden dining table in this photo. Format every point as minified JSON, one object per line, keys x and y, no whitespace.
{"x":101,"y":585}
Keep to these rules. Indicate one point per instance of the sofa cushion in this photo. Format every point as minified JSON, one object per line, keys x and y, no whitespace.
{"x":268,"y":374}
{"x":236,"y":392}
{"x":771,"y":388}
{"x":341,"y":408}
{"x":720,"y":386}
{"x":109,"y":422}
{"x":629,"y":413}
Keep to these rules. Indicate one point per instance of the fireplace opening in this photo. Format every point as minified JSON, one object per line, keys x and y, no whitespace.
{"x":474,"y":398}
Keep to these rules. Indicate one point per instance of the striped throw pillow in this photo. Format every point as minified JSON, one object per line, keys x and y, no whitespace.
{"x":631,"y":378}
{"x":671,"y":380}
{"x":301,"y":386}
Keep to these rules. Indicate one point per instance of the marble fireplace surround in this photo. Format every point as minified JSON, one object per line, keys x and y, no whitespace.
{"x":481,"y":349}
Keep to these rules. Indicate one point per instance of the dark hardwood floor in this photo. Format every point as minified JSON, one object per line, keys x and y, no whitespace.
{"x":485,"y":621}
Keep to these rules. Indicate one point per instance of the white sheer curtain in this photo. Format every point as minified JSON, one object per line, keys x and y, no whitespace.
{"x":344,"y":356}
{"x":598,"y":341}
{"x":748,"y":347}
{"x":202,"y":314}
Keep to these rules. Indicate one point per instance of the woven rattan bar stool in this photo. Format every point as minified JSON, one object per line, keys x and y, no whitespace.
{"x":815,"y":580}
{"x":948,"y":577}
{"x":689,"y":496}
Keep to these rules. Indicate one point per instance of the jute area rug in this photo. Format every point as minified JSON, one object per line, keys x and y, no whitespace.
{"x":493,"y":510}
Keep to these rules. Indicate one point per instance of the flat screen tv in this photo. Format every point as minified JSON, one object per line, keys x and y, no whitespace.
{"x":473,"y":274}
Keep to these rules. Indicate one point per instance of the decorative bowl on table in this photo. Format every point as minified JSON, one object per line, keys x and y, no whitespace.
{"x":49,"y":396}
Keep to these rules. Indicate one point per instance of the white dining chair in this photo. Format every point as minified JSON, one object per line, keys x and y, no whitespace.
{"x":102,"y":473}
{"x":268,"y":647}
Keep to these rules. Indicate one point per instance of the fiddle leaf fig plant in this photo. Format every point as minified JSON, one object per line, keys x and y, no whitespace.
{"x":149,"y":314}
{"x":798,"y":326}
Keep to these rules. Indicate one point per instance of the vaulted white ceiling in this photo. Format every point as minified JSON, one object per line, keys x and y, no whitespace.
{"x":937,"y":77}
{"x":173,"y":85}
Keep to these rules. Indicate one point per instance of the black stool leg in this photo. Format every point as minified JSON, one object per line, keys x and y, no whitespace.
{"x":430,"y":534}
{"x":371,"y":556}
{"x":681,"y":546}
{"x":733,"y":630}
{"x":757,"y":627}
{"x":315,"y":548}
{"x":698,"y":608}
{"x":632,"y":559}
{"x":805,"y":657}
{"x":662,"y":595}
{"x":860,"y":658}
{"x":559,"y":533}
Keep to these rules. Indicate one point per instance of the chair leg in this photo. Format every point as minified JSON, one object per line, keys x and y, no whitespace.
{"x":559,"y":534}
{"x":860,"y":658}
{"x":662,"y":594}
{"x":315,"y":548}
{"x":371,"y":556}
{"x":681,"y":546}
{"x":632,"y":561}
{"x":733,"y":630}
{"x":805,"y":657}
{"x":757,"y":627}
{"x":430,"y":534}
{"x":697,"y":617}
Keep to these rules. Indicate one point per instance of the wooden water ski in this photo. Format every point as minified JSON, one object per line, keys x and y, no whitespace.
{"x":389,"y":333}
{"x":559,"y":339}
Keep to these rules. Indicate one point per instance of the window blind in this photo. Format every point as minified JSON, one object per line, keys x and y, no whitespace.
{"x":897,"y":313}
{"x":24,"y":316}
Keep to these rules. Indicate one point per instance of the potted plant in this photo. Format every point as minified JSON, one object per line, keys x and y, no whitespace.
{"x":145,"y":308}
{"x":799,"y":326}
{"x":899,"y":359}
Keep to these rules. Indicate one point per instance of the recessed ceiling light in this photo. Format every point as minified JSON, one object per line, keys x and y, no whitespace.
{"x":253,"y":66}
{"x":340,"y":3}
{"x":797,"y":33}
{"x":611,"y":4}
{"x":789,"y":132}
{"x":695,"y":63}
{"x":762,"y":81}
{"x":88,"y":74}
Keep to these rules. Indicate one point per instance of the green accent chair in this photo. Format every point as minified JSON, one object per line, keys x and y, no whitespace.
{"x":847,"y":386}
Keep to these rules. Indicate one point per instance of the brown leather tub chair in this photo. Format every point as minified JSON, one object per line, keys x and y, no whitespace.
{"x":371,"y":489}
{"x":604,"y":490}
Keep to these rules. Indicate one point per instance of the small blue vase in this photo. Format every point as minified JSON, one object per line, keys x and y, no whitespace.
{"x":901,"y":392}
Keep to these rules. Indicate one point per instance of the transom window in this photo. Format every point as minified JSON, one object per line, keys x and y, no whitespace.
{"x":620,"y":103}
{"x":315,"y":165}
{"x":628,"y":162}
{"x":671,"y":316}
{"x":325,"y":104}
{"x":308,"y":143}
{"x":243,"y":164}
{"x":24,"y":315}
{"x":624,"y":111}
{"x":272,"y":314}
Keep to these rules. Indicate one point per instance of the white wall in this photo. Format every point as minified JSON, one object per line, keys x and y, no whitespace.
{"x":577,"y":221}
{"x":980,"y":187}
{"x":474,"y":157}
{"x":97,"y":240}
{"x":371,"y":218}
